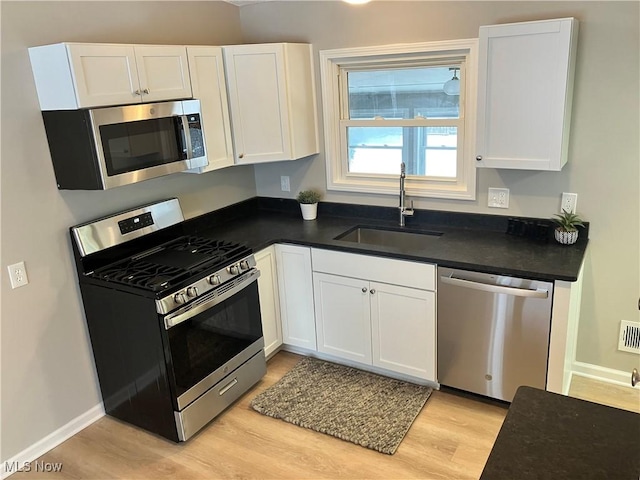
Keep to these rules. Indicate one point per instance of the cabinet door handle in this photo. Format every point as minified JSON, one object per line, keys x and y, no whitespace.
{"x":137,"y":92}
{"x":145,"y":91}
{"x":479,"y":158}
{"x":364,"y":289}
{"x":372,"y":291}
{"x":241,"y":155}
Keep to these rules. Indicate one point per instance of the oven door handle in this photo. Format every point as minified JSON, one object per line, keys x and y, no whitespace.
{"x":211,"y":299}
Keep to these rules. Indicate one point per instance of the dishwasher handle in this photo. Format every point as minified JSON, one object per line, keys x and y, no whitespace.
{"x":518,"y":292}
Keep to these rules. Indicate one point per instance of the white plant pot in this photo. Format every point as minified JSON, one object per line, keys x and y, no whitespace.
{"x":566,"y":238}
{"x":309,"y":210}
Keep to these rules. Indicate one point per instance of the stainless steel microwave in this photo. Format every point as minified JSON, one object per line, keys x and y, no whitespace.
{"x":100,"y":148}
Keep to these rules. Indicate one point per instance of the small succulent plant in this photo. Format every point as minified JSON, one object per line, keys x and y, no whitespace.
{"x":309,"y":196}
{"x":567,"y":221}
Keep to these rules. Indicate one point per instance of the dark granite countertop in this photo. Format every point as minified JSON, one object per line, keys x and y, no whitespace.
{"x":468,"y":241}
{"x":550,"y":436}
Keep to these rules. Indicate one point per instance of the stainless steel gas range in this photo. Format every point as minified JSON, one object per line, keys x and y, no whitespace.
{"x":174,"y":319}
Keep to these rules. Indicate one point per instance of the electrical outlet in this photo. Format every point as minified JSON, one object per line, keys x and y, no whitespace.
{"x":569,"y":202}
{"x":498,"y":198}
{"x":285,"y":186}
{"x":18,"y":275}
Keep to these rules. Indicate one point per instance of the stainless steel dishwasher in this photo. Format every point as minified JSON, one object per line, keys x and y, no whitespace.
{"x":493,"y":332}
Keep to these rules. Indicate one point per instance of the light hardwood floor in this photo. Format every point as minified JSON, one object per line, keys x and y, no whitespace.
{"x":626,"y":398}
{"x":450,"y":439}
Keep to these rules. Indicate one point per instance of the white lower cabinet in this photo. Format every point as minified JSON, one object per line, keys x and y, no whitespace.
{"x":362,"y":319}
{"x":269,"y":299}
{"x":296,"y":296}
{"x":403,"y":330}
{"x":343,"y":318}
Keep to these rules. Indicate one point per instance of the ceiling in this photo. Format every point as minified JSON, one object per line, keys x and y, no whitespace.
{"x":241,"y":3}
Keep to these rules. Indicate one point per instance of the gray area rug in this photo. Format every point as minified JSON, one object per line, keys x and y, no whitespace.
{"x":360,"y":407}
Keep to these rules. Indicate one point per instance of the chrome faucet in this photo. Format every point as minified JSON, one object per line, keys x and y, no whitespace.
{"x":404,"y":211}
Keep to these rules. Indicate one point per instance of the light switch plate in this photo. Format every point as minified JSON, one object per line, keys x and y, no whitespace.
{"x":498,"y":198}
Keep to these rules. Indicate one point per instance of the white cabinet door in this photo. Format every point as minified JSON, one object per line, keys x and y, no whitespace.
{"x":163,"y":71}
{"x":342,"y":317}
{"x":69,"y":76}
{"x":206,"y":69}
{"x":296,"y":296}
{"x":272,"y":101}
{"x":103,"y":74}
{"x":269,"y":300}
{"x":403,"y":330}
{"x":525,"y":87}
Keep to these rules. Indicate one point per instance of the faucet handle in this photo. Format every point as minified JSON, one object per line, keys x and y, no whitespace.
{"x":408,"y":212}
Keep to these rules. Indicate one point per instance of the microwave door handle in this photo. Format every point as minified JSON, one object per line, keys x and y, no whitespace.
{"x":187,"y":136}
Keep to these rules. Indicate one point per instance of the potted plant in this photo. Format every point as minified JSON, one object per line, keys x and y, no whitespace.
{"x":566,"y":230}
{"x":308,"y":200}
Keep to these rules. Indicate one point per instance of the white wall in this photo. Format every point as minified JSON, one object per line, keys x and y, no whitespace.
{"x":48,"y":375}
{"x":604,"y":165}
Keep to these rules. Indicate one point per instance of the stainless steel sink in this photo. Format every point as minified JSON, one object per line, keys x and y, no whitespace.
{"x":388,"y":237}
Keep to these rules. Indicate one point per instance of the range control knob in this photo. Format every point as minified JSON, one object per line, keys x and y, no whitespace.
{"x":180,"y":298}
{"x":233,"y":269}
{"x":192,"y":292}
{"x":244,"y":265}
{"x":214,"y":279}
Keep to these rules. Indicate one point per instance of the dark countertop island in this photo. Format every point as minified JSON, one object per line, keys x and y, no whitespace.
{"x":468,"y":241}
{"x":550,"y":436}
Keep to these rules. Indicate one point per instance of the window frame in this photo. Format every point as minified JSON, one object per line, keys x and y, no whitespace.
{"x":463,"y":187}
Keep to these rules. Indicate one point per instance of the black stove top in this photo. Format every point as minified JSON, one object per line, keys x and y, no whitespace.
{"x":171,"y":263}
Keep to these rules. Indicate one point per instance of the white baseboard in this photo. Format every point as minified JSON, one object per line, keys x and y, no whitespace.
{"x":603,"y":374}
{"x":28,"y":455}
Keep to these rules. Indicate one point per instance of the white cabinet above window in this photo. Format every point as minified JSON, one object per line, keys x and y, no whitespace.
{"x":272,"y":101}
{"x":525,"y":89}
{"x":69,"y":76}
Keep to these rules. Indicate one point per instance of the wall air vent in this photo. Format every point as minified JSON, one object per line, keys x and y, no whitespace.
{"x":629,"y":340}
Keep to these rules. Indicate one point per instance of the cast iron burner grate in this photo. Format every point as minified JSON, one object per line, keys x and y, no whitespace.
{"x":139,"y":273}
{"x":180,"y":259}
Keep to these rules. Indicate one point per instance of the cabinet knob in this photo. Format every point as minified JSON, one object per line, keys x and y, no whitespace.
{"x":479,"y":158}
{"x":364,"y":289}
{"x":137,"y":92}
{"x":372,"y":291}
{"x":241,"y":155}
{"x":145,"y":91}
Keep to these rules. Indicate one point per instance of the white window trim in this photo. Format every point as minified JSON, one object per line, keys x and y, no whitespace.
{"x":462,"y":188}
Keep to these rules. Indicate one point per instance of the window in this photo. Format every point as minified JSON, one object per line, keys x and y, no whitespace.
{"x":387,"y":105}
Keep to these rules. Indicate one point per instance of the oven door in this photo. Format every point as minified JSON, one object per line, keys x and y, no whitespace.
{"x":212,"y":336}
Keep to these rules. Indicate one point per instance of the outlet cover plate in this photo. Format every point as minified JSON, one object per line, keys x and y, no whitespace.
{"x":18,"y":275}
{"x":569,"y":202}
{"x":285,"y":185}
{"x":498,"y":198}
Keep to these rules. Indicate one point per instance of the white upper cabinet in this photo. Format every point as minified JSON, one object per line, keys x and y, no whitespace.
{"x":78,"y":75}
{"x":272,"y":101}
{"x":206,"y":68}
{"x":525,"y":89}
